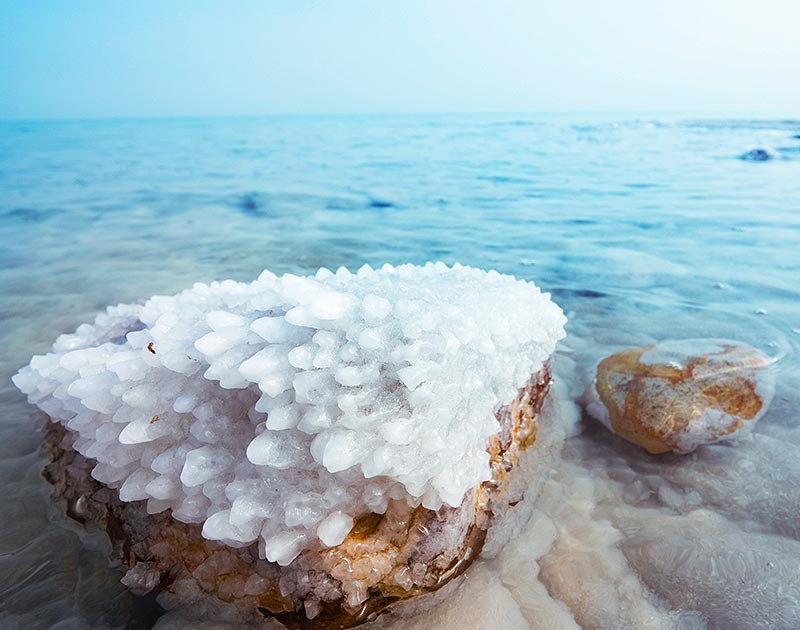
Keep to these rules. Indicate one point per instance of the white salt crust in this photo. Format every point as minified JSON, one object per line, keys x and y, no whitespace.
{"x":281,"y":409}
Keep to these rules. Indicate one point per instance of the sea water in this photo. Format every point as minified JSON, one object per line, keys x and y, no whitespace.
{"x":644,"y":228}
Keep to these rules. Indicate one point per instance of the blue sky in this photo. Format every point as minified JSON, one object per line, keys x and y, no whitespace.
{"x":80,"y":59}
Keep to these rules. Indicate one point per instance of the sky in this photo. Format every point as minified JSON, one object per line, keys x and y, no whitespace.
{"x":97,"y":59}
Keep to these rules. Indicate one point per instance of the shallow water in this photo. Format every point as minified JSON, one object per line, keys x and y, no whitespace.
{"x":643,"y":229}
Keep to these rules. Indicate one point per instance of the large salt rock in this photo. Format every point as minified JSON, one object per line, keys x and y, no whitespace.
{"x":678,"y":395}
{"x":360,"y":566}
{"x":281,"y":410}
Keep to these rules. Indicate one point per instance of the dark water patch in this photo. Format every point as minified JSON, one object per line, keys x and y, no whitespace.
{"x":647,"y":225}
{"x":380,"y":203}
{"x":252,"y":205}
{"x":30,"y":215}
{"x":578,"y":293}
{"x":642,"y":185}
{"x":580,"y":222}
{"x":757,"y":155}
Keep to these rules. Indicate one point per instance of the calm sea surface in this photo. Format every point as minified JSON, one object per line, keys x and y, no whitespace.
{"x":643,"y":229}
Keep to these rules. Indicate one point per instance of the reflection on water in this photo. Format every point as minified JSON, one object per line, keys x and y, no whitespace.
{"x":644,"y":230}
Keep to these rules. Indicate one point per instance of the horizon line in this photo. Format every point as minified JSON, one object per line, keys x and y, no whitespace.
{"x":708,"y":113}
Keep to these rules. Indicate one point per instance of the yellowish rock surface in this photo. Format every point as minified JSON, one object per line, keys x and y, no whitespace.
{"x":678,"y":395}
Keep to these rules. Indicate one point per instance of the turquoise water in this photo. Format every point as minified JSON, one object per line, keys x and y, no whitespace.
{"x":643,"y":229}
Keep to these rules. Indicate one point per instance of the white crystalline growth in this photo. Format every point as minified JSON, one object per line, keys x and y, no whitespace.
{"x":284,"y":408}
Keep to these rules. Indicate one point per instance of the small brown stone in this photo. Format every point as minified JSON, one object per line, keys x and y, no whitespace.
{"x":677,"y":395}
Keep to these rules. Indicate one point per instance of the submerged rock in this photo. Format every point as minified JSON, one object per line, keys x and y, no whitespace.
{"x":303,"y":448}
{"x":757,"y":155}
{"x":678,"y":395}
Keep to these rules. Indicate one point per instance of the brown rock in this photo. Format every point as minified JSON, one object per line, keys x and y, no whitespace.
{"x":677,"y":395}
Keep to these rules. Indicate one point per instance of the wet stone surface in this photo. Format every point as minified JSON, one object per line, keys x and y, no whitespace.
{"x":678,"y":395}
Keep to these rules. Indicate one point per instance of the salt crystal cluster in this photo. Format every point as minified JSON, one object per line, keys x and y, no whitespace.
{"x":282,"y":409}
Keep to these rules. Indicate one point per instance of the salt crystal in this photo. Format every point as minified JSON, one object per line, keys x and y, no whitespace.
{"x":273,"y":448}
{"x":223,"y":319}
{"x":334,"y":529}
{"x":203,"y":464}
{"x":284,"y":547}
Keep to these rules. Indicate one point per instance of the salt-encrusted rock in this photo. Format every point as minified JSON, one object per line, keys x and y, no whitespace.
{"x":678,"y":395}
{"x":346,"y":438}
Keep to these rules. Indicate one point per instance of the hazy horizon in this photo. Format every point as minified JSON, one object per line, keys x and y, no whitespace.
{"x":579,"y":114}
{"x":85,"y":60}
